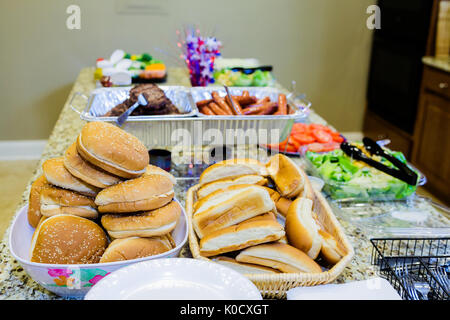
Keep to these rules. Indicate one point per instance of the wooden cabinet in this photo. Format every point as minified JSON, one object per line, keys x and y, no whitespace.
{"x":431,"y":149}
{"x":378,"y":129}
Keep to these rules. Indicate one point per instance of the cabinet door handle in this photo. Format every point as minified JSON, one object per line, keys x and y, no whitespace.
{"x":443,"y":85}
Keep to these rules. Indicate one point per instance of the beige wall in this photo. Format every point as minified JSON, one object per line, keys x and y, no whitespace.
{"x":323,"y":45}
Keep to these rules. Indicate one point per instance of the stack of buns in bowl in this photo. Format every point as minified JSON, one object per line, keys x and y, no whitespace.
{"x":259,"y":218}
{"x":101,"y":202}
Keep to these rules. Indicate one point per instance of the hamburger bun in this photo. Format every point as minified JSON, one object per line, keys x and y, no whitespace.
{"x":56,"y":201}
{"x":68,"y":239}
{"x":224,"y":208}
{"x":112,"y":149}
{"x":232,"y":168}
{"x":240,"y":236}
{"x":34,"y":201}
{"x":157,"y":222}
{"x":302,"y":229}
{"x":59,"y":176}
{"x":86,"y":171}
{"x":244,"y":268}
{"x":135,"y":248}
{"x":210,"y":187}
{"x":279,"y":256}
{"x":145,"y":193}
{"x":286,"y":175}
{"x":151,"y":169}
{"x":331,"y":250}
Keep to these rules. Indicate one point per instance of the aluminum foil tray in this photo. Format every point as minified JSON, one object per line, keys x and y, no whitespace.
{"x":102,"y":100}
{"x":167,"y":130}
{"x":300,"y":105}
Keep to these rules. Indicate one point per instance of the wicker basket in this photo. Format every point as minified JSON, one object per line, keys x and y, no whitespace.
{"x":276,"y":285}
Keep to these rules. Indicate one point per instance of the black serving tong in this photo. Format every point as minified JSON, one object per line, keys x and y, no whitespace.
{"x":251,"y":70}
{"x":402,"y":171}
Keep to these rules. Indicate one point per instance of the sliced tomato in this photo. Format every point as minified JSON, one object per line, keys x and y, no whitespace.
{"x":315,"y":147}
{"x":322,"y":136}
{"x":330,"y":146}
{"x":298,"y":128}
{"x":303,"y":138}
{"x":318,"y":126}
{"x":338,"y":138}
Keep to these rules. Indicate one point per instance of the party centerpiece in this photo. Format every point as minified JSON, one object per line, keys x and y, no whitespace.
{"x":199,"y":53}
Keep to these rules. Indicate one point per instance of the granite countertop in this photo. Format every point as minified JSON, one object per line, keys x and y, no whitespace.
{"x":16,"y":284}
{"x":439,"y":63}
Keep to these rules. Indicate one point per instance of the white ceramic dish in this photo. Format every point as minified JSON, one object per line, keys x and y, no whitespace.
{"x":75,"y":280}
{"x":174,"y":279}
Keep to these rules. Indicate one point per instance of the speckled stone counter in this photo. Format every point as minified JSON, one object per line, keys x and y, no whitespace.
{"x":16,"y":284}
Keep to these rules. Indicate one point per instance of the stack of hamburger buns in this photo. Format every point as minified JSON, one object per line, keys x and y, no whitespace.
{"x":101,"y":202}
{"x":258,"y":218}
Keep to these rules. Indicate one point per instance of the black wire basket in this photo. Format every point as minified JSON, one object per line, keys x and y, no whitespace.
{"x":418,"y":268}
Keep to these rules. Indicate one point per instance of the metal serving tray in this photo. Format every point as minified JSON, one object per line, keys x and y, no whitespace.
{"x":300,"y":105}
{"x":101,"y":100}
{"x":165,"y":130}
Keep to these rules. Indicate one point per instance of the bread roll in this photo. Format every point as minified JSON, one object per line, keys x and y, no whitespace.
{"x":145,"y":193}
{"x":287,"y":176}
{"x":151,"y":169}
{"x":210,"y":187}
{"x":59,"y":176}
{"x":302,"y":229}
{"x":280,"y":256}
{"x":224,"y":208}
{"x":244,"y":268}
{"x":67,"y":239}
{"x":232,"y":168}
{"x":112,"y":149}
{"x":240,"y":236}
{"x":34,"y":201}
{"x":86,"y":171}
{"x":282,"y":204}
{"x":143,"y":224}
{"x":331,"y":250}
{"x":56,"y":201}
{"x":135,"y":248}
{"x":308,"y":190}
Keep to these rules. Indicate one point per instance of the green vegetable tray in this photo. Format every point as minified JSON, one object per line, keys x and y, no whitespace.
{"x":348,"y":180}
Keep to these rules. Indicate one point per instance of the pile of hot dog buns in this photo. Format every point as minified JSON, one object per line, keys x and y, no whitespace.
{"x":101,"y":202}
{"x":244,"y":104}
{"x":235,"y":218}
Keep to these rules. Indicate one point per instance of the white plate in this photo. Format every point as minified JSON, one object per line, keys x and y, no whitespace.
{"x":174,"y":279}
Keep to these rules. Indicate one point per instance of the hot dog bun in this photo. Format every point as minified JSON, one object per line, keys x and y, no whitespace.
{"x":244,"y":268}
{"x":224,"y":208}
{"x":302,"y":229}
{"x":280,"y":256}
{"x":282,"y":204}
{"x":240,"y":236}
{"x":331,"y":250}
{"x":232,"y":168}
{"x":287,"y":176}
{"x":210,"y":187}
